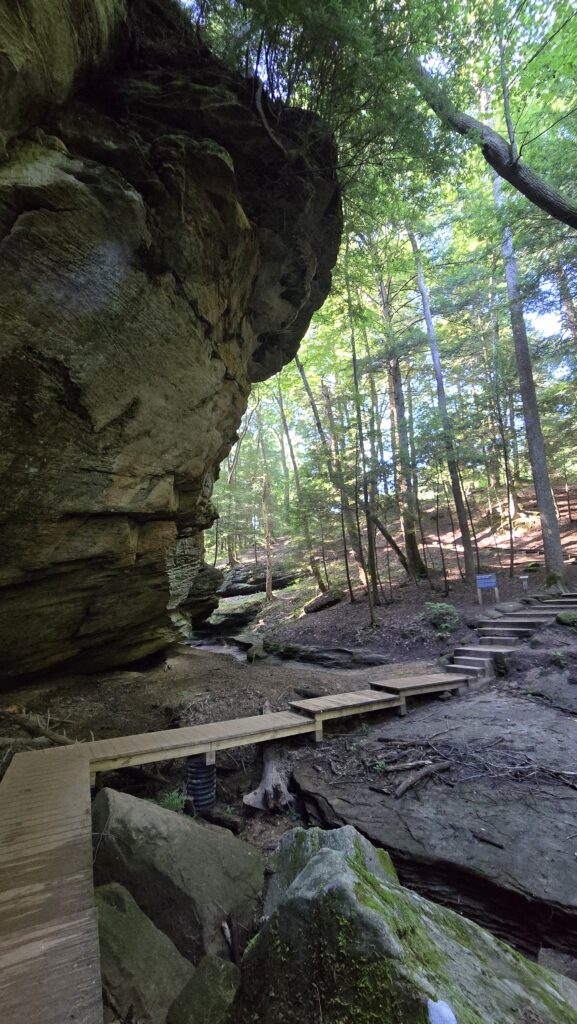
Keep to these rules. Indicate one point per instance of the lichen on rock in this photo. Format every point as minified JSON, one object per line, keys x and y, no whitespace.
{"x":158,"y":254}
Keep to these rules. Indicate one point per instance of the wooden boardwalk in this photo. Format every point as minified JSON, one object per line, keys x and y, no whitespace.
{"x":49,"y":957}
{"x":49,"y":954}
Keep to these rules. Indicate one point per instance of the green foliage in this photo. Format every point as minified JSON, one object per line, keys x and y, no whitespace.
{"x":175,"y":800}
{"x":400,"y":169}
{"x":557,"y":658}
{"x":442,"y":616}
{"x":568,"y":618}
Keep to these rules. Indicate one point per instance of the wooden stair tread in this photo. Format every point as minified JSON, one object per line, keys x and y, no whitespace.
{"x":487,"y":649}
{"x":351,"y":699}
{"x":422,"y":684}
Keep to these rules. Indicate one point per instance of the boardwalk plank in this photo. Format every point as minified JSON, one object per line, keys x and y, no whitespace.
{"x":49,"y":956}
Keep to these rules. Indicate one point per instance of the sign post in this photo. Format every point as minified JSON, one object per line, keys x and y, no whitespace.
{"x":487,"y":582}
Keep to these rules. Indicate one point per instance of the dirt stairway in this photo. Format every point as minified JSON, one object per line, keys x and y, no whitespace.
{"x":500,"y":637}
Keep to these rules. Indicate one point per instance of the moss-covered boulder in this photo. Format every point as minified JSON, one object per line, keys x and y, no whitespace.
{"x":142,"y":971}
{"x":348,"y":947}
{"x":298,"y":846}
{"x":568,"y":618}
{"x":208,"y":996}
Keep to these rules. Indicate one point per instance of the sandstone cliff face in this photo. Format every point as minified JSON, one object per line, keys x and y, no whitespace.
{"x":159,"y":251}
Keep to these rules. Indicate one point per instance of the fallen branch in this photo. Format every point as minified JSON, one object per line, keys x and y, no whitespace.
{"x":35,"y":728}
{"x":407,"y":766}
{"x":431,"y":769}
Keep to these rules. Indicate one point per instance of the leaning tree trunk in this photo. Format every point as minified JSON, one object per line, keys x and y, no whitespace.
{"x":549,"y":523}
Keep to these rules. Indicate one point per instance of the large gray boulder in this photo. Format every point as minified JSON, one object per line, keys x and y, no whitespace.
{"x":345,"y":946}
{"x":208,"y":995}
{"x":186,"y":876}
{"x":142,"y":970}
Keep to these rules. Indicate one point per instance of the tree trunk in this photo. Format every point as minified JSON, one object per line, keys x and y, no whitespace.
{"x":417,"y":567}
{"x":451,"y":455}
{"x":549,"y":523}
{"x":568,"y":310}
{"x":272,"y":793}
{"x":499,"y":153}
{"x":267,"y":536}
{"x":285,"y":477}
{"x":372,"y":573}
{"x":336,"y":477}
{"x":297,"y":481}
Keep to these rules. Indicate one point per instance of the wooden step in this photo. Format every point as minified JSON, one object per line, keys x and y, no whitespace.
{"x":533,"y":622}
{"x":414,"y":686}
{"x":496,"y":641}
{"x":543,"y":606}
{"x":476,"y":665}
{"x":473,"y":671}
{"x":486,"y":650}
{"x":354,"y":702}
{"x":507,"y":631}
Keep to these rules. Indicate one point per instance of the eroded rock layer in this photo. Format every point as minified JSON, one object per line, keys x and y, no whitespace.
{"x":165,"y":236}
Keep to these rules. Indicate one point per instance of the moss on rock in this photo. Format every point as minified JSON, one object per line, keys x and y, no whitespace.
{"x":350,"y":946}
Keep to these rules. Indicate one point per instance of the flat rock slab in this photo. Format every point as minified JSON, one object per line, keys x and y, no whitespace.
{"x":501,"y":851}
{"x":328,"y":657}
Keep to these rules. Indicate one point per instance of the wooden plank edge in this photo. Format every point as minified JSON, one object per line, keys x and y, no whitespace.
{"x":107,"y":763}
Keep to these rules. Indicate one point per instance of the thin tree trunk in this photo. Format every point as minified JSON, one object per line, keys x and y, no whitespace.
{"x":267,"y":535}
{"x":297,"y":481}
{"x":372,"y":582}
{"x":215,"y":544}
{"x":514,"y":443}
{"x":451,"y":455}
{"x":452,"y":521}
{"x":441,"y":552}
{"x":334,"y":470}
{"x":568,"y":309}
{"x":471,"y":524}
{"x":323,"y":552}
{"x":285,"y":476}
{"x":417,"y":567}
{"x":336,"y":477}
{"x":346,"y":555}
